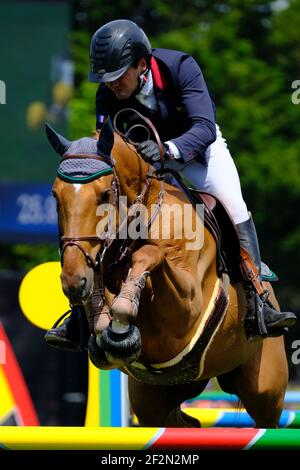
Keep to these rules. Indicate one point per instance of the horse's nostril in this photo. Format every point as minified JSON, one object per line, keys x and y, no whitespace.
{"x":83,"y":283}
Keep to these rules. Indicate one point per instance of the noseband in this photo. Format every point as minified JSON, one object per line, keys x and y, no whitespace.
{"x":75,"y":240}
{"x":72,"y":241}
{"x":128,"y":245}
{"x":123,"y":255}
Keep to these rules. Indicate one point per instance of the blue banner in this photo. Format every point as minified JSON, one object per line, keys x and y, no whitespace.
{"x":27,"y":213}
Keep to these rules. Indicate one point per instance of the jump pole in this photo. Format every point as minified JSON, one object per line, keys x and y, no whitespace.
{"x":291,"y":396}
{"x":76,"y":438}
{"x":229,"y":417}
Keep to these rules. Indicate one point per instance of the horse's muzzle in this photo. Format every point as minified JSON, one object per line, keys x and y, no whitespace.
{"x":76,"y":288}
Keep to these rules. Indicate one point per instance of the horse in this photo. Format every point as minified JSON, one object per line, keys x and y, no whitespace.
{"x":158,"y":309}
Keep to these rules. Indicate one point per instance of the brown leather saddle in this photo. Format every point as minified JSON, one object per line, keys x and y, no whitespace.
{"x":221,"y":226}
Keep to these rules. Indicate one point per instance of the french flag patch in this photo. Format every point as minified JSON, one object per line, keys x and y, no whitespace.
{"x":101,"y":119}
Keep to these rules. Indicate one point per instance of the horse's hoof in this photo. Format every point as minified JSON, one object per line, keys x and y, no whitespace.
{"x":97,"y":355}
{"x":121,"y":348}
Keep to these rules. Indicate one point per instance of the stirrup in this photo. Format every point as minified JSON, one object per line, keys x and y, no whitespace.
{"x":254,"y":321}
{"x":60,"y":319}
{"x":76,"y":343}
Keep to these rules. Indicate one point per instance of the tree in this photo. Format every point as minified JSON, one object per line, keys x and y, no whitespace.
{"x":249,"y":53}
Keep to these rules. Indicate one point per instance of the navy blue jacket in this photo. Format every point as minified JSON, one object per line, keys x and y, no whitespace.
{"x":186,"y":114}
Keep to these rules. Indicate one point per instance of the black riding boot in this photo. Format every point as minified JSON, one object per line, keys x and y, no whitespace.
{"x":73,"y":333}
{"x":261,"y":319}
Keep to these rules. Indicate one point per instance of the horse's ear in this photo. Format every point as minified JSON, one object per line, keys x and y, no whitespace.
{"x":106,"y":139}
{"x":58,"y":142}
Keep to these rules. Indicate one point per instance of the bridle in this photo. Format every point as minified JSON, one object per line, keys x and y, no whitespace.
{"x":128,"y":245}
{"x":75,"y":240}
{"x":126,"y":136}
{"x":98,"y":302}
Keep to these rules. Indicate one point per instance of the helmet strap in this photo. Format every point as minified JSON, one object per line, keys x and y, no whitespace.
{"x":143,"y":78}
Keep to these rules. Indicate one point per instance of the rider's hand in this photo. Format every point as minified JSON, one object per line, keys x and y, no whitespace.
{"x":149,"y":150}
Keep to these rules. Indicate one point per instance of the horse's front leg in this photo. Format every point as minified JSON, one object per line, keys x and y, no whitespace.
{"x":121,"y":341}
{"x":125,"y":306}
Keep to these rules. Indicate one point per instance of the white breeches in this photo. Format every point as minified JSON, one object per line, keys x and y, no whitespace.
{"x":218,"y":177}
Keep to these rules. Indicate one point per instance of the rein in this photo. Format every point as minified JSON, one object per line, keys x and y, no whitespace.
{"x":149,"y":124}
{"x":73,"y":240}
{"x":98,"y":302}
{"x":128,"y":245}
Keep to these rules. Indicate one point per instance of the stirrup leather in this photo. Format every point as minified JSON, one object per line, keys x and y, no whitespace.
{"x":254,"y":321}
{"x":60,"y":319}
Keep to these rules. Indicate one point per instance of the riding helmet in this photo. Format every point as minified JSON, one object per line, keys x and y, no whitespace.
{"x":114,"y":48}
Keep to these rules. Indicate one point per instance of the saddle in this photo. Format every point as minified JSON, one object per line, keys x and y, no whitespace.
{"x":221,"y":226}
{"x":216,"y":217}
{"x":219,"y":223}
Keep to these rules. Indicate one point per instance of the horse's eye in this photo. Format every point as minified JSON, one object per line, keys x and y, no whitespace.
{"x":105,"y":196}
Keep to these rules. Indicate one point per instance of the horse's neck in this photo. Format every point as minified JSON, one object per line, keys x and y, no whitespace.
{"x":131,"y":170}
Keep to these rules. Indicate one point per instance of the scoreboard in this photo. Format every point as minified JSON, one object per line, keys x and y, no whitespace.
{"x":34,"y":64}
{"x":36,"y":78}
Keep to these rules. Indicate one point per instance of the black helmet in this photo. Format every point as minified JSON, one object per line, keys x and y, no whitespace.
{"x":114,"y":47}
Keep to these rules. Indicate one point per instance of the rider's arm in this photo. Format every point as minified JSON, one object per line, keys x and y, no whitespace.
{"x":199,"y":109}
{"x":102,"y":105}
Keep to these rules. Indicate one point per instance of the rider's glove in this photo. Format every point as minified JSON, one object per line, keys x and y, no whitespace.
{"x":149,"y":150}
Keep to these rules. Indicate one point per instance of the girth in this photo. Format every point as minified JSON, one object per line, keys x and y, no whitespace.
{"x":186,"y":368}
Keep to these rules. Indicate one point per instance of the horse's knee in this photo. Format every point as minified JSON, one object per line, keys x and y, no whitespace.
{"x":151,"y":404}
{"x":147,"y":258}
{"x":267,"y":410}
{"x":160,"y":406}
{"x":264,"y":406}
{"x":149,"y":416}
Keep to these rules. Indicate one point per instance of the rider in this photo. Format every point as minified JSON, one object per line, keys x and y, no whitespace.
{"x":168,"y":87}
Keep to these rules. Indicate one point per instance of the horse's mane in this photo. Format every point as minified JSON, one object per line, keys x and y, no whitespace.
{"x":122,"y":146}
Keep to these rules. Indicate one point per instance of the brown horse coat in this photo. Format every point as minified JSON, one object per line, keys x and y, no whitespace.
{"x":179,"y":292}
